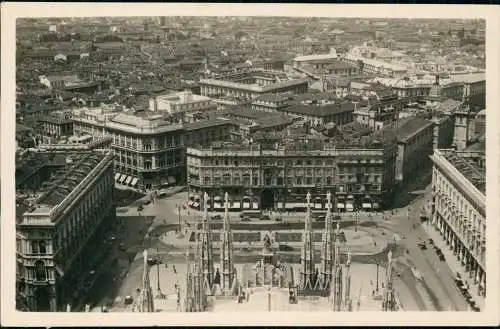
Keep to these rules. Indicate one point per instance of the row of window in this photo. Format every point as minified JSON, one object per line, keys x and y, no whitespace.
{"x":458,"y":199}
{"x":279,"y":162}
{"x":245,"y":180}
{"x":38,"y":272}
{"x":358,"y":174}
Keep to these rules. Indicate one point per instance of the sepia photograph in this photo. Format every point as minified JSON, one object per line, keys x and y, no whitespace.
{"x":248,"y":163}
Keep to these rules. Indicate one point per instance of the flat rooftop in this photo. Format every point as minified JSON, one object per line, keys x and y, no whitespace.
{"x":469,"y":169}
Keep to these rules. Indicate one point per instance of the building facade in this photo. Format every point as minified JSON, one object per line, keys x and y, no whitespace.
{"x":54,"y":127}
{"x":277,"y":177}
{"x":415,"y":140}
{"x":180,"y":103}
{"x":459,"y":210}
{"x":250,"y":89}
{"x":60,"y":236}
{"x":149,"y":151}
{"x":338,"y":113}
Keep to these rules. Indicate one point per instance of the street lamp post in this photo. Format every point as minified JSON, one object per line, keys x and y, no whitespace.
{"x":357,"y":220}
{"x":179,"y":213}
{"x":158,"y":261}
{"x":269,"y":298}
{"x":376,"y":288}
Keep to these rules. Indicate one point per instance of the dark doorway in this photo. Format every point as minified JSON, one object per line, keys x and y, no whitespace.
{"x":267,"y":199}
{"x":42,"y":298}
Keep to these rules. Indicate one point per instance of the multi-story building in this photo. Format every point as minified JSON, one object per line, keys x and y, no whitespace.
{"x":474,"y":88}
{"x":415,"y":140}
{"x":368,"y":90}
{"x":278,"y":175}
{"x":55,"y":127}
{"x":339,"y":113}
{"x":270,"y":102}
{"x":148,"y":150}
{"x":181,"y":103}
{"x":380,"y":112}
{"x":459,"y":210}
{"x":375,"y":66}
{"x":321,"y":64}
{"x":456,"y":87}
{"x":60,"y":235}
{"x":251,"y":84}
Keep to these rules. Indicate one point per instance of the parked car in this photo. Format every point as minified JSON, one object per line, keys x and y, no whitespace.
{"x":265,"y":217}
{"x":216,"y":217}
{"x":246,"y":219}
{"x":278,"y":219}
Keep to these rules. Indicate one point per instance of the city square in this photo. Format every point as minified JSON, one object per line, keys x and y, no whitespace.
{"x":242,"y":164}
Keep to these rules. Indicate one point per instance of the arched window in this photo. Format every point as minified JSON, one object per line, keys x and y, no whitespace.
{"x":40,"y":271}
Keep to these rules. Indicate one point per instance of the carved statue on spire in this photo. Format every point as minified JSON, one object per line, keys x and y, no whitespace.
{"x":328,"y":200}
{"x":308,"y":198}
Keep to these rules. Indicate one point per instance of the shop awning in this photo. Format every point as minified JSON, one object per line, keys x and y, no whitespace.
{"x":134,"y":181}
{"x":246,"y":205}
{"x":255,"y":205}
{"x":366,"y":205}
{"x":280,"y":205}
{"x":217,"y":198}
{"x":217,"y":205}
{"x":235,"y":205}
{"x":318,"y":206}
{"x":117,"y":175}
{"x":340,"y":205}
{"x":128,"y":180}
